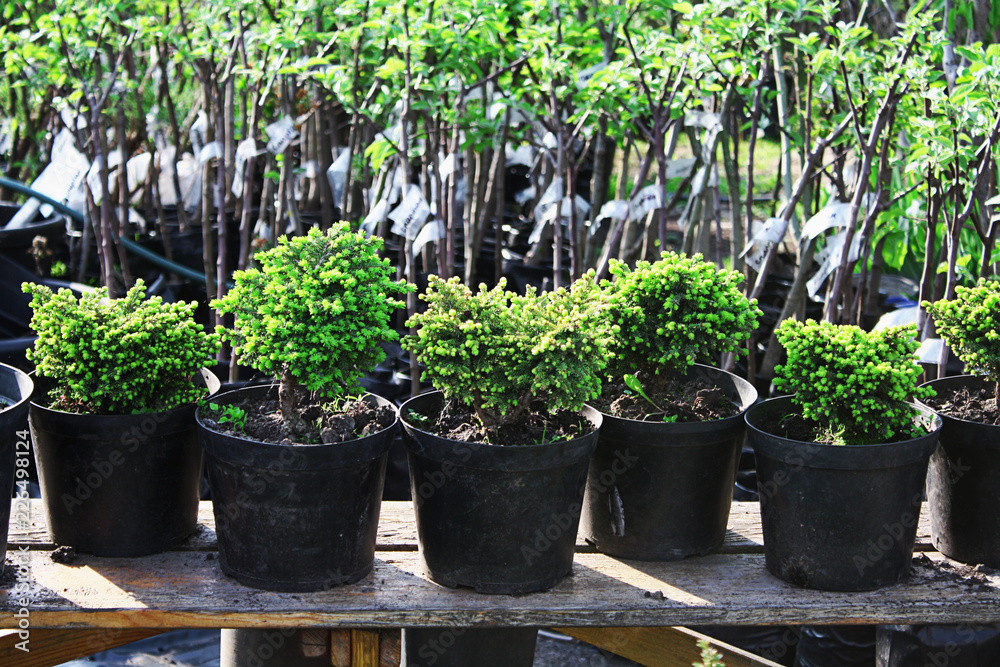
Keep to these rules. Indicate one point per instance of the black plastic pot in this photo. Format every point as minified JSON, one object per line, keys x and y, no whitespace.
{"x":15,"y":390}
{"x":840,"y":518}
{"x":119,"y":485}
{"x":501,"y":519}
{"x":966,"y":645}
{"x":963,"y":481}
{"x":660,"y":491}
{"x":295,"y":517}
{"x":466,"y":647}
{"x":266,"y":647}
{"x":52,"y":227}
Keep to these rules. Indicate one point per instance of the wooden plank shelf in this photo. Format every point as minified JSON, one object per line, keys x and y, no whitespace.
{"x":185,"y":588}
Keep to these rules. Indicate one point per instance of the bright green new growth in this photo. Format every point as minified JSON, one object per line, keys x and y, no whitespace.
{"x":118,"y":356}
{"x":971,"y":326}
{"x":851,"y":382}
{"x":675,"y":312}
{"x":496,"y":352}
{"x":314,"y":313}
{"x":709,"y":656}
{"x":230,"y":414}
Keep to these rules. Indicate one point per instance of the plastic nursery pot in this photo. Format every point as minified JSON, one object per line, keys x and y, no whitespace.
{"x":838,"y":517}
{"x":660,"y":491}
{"x":119,"y":485}
{"x":295,"y":517}
{"x":962,"y":483}
{"x":462,"y":647}
{"x":266,"y":647}
{"x":15,"y":392}
{"x":501,"y":519}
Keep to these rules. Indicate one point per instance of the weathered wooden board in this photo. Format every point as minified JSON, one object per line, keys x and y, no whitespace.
{"x":184,"y":589}
{"x":397,"y":530}
{"x":48,"y":647}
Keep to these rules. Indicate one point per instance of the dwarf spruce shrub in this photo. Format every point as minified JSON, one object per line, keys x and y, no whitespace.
{"x":852,"y":383}
{"x":314,"y":313}
{"x":117,"y":356}
{"x":675,"y":312}
{"x":497,"y":352}
{"x":971,"y":326}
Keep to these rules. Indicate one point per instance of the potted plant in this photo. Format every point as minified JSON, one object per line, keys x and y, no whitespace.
{"x":498,"y":456}
{"x":841,"y":462}
{"x":296,"y":468}
{"x":15,"y":391}
{"x":660,"y":484}
{"x":964,"y":471}
{"x":112,"y":417}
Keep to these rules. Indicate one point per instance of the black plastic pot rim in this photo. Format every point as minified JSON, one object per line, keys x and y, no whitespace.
{"x":835,"y":457}
{"x":515,"y":458}
{"x":958,"y":380}
{"x":24,"y":383}
{"x":63,"y":419}
{"x":735,"y":422}
{"x":256,"y":453}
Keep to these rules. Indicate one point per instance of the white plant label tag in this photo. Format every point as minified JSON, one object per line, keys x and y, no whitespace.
{"x":63,"y":179}
{"x":342,"y":164}
{"x":830,"y":258}
{"x":545,"y":209}
{"x":376,"y":216}
{"x":770,"y":233}
{"x":705,"y":119}
{"x":562,"y":208}
{"x":431,"y":231}
{"x":336,"y":175}
{"x":525,"y":195}
{"x":587,"y":74}
{"x":830,"y":216}
{"x":616,"y":209}
{"x":137,"y":170}
{"x":281,"y":134}
{"x":409,"y":216}
{"x":94,"y":180}
{"x":244,"y":151}
{"x":646,"y":200}
{"x":522,"y":155}
{"x":73,"y":120}
{"x":929,"y":351}
{"x":6,"y":137}
{"x":680,"y":168}
{"x":210,"y":152}
{"x":448,"y":166}
{"x":197,"y":133}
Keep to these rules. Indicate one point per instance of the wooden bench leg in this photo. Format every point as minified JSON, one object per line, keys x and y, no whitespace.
{"x":663,"y":647}
{"x":365,"y":648}
{"x":50,"y":647}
